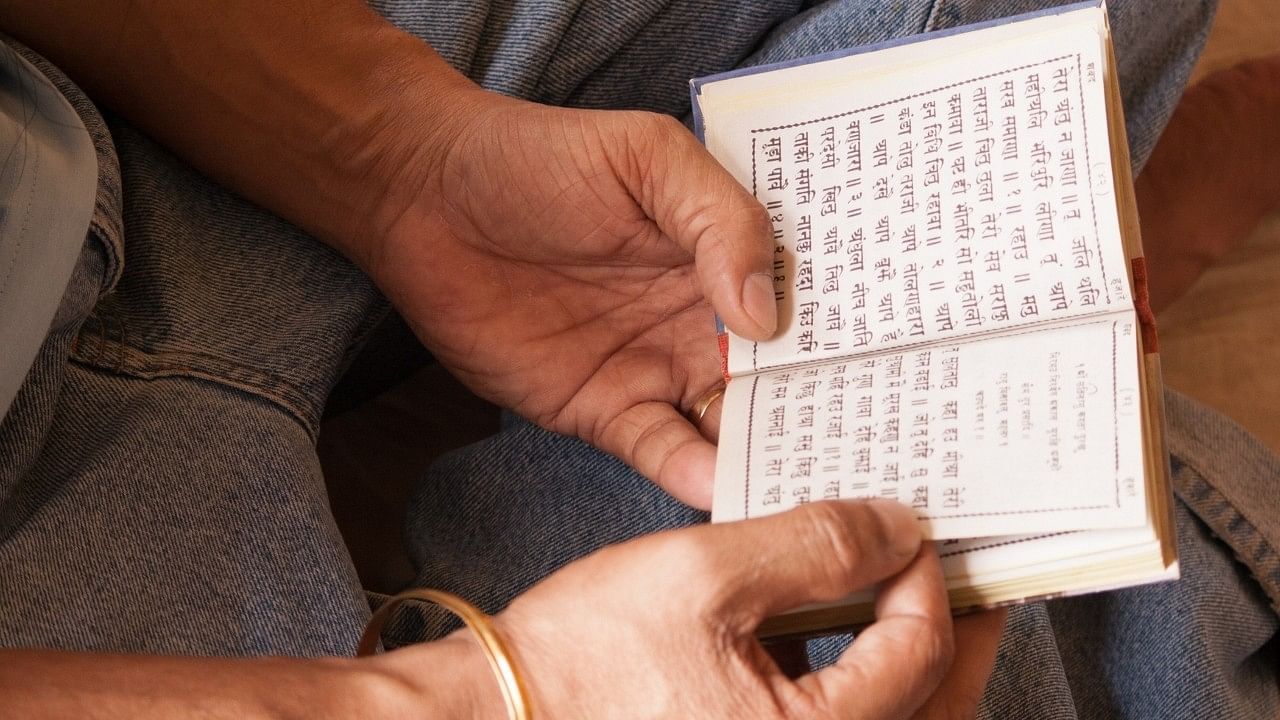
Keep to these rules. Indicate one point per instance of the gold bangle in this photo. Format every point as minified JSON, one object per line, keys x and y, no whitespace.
{"x":495,"y":651}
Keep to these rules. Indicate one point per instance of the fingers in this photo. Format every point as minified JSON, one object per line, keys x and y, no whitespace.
{"x":664,"y":446}
{"x":977,"y":640}
{"x":895,"y":663}
{"x":702,"y":207}
{"x":816,"y":553}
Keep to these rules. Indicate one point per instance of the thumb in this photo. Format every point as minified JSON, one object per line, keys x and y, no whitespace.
{"x":894,"y":664}
{"x":818,"y":552}
{"x":698,"y":204}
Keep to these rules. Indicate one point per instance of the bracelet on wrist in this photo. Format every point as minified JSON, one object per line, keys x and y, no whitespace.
{"x":495,"y":651}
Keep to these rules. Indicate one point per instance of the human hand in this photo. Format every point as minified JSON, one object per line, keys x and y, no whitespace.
{"x":977,"y":638}
{"x":557,"y":262}
{"x":663,"y":626}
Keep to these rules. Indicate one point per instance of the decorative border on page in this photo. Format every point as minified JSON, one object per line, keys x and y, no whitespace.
{"x":1089,"y":175}
{"x":1115,"y":443}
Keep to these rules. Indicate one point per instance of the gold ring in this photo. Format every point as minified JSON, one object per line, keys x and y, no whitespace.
{"x":704,"y":401}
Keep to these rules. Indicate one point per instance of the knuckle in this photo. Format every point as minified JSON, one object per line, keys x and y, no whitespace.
{"x":756,"y":220}
{"x":729,"y":224}
{"x":872,"y":531}
{"x":835,"y":538}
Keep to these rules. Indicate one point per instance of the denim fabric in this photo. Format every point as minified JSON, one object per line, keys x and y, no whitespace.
{"x":1200,"y":648}
{"x":159,"y":489}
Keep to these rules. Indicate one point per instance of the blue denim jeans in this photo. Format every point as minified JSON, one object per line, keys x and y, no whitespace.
{"x":159,"y":488}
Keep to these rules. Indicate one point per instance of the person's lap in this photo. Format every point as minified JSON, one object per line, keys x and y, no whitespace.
{"x":158,"y":485}
{"x":491,"y":519}
{"x":160,"y":492}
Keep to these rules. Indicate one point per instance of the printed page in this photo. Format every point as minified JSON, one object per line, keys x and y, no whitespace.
{"x":1033,"y":431}
{"x":1067,"y":563}
{"x":916,"y":200}
{"x":1013,"y":558}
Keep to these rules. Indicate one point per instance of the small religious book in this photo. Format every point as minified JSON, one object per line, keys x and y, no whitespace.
{"x":963,"y":315}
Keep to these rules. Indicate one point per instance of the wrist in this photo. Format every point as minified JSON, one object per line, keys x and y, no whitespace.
{"x":412,"y":109}
{"x":317,"y":112}
{"x":448,"y":678}
{"x":369,"y":131}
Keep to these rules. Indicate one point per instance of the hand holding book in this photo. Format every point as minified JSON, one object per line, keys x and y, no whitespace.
{"x":953,"y":226}
{"x":564,"y":263}
{"x":664,"y":625}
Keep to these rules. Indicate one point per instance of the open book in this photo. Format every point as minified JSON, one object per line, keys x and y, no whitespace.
{"x":963,"y":317}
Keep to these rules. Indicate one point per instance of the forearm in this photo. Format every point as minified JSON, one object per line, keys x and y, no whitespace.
{"x":446,"y":679}
{"x":298,"y":105}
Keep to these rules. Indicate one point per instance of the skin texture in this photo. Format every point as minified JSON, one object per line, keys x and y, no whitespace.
{"x":588,"y":639}
{"x":595,"y":245}
{"x":1212,"y":176}
{"x":590,"y":260}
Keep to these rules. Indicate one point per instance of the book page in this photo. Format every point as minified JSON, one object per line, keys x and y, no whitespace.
{"x":982,"y":571}
{"x":1005,"y":557}
{"x":1032,"y":431}
{"x":916,"y":200}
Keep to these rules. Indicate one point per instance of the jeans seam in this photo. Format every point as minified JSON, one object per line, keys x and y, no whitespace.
{"x":107,"y":237}
{"x":110,"y":355}
{"x":1248,"y":544}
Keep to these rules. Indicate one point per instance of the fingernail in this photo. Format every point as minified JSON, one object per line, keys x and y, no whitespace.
{"x":900,"y":526}
{"x":757,"y":300}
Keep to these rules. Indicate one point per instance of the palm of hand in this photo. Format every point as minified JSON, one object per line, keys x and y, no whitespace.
{"x":551,"y":267}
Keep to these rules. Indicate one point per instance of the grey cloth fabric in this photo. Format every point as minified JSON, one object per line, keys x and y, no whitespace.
{"x":48,"y":175}
{"x":1202,"y":647}
{"x":159,"y":489}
